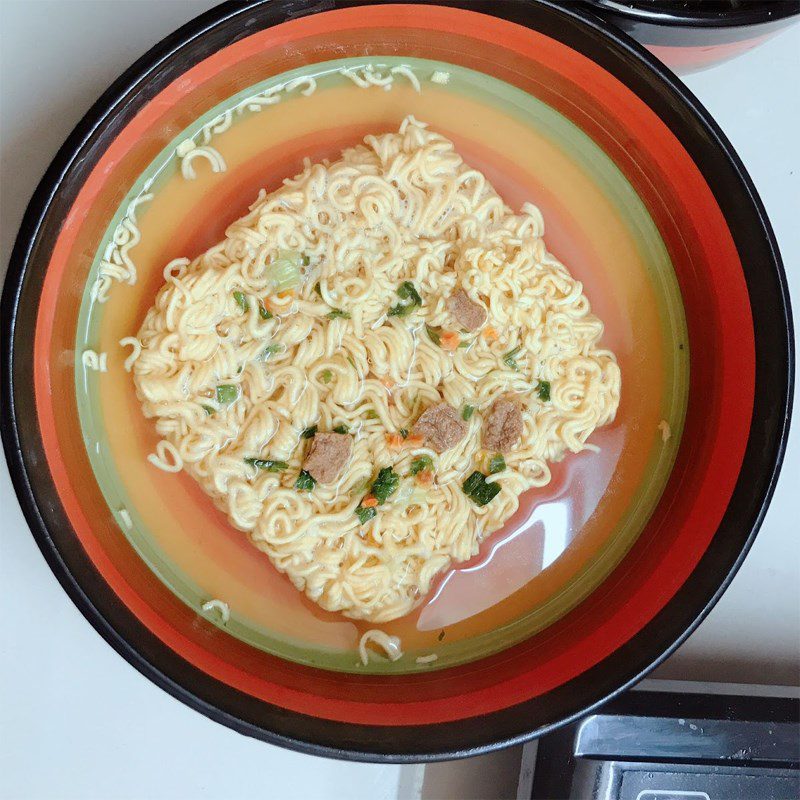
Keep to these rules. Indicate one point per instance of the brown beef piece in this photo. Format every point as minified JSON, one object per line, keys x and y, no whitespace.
{"x":328,"y":455}
{"x":503,"y":425}
{"x":468,"y":314}
{"x":441,"y":426}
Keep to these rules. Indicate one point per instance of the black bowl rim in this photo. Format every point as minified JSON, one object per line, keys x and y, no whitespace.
{"x":656,"y":86}
{"x":754,"y":13}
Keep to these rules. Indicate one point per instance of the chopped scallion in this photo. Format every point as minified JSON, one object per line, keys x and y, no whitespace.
{"x":467,"y":412}
{"x":241,"y":301}
{"x":341,"y":429}
{"x":264,"y":313}
{"x":496,"y":464}
{"x":434,"y":335}
{"x":209,"y":409}
{"x":400,"y":310}
{"x":543,"y":390}
{"x":510,"y":358}
{"x":337,"y":313}
{"x":304,"y":481}
{"x":479,"y":490}
{"x":365,"y":514}
{"x":271,"y":349}
{"x":410,"y":296}
{"x":267,"y":464}
{"x":284,"y":274}
{"x":419,"y":464}
{"x":385,"y":484}
{"x":326,"y":376}
{"x":407,"y":291}
{"x":227,"y":393}
{"x":308,"y":433}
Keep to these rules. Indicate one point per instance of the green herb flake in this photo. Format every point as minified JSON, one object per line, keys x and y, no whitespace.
{"x":385,"y":484}
{"x":407,"y":291}
{"x":267,"y":464}
{"x":304,"y":482}
{"x":264,"y":313}
{"x":352,"y":363}
{"x":463,"y":345}
{"x":510,"y":358}
{"x":318,"y":289}
{"x":403,"y":432}
{"x":365,"y":514}
{"x":479,"y":490}
{"x":400,"y":310}
{"x":209,"y":409}
{"x":496,"y":464}
{"x":308,"y":433}
{"x":467,"y":412}
{"x":434,"y":335}
{"x":372,"y":414}
{"x":441,"y":635}
{"x":270,"y":349}
{"x":337,"y":313}
{"x":420,"y":464}
{"x":341,"y":429}
{"x":305,"y":260}
{"x":543,"y":390}
{"x":241,"y":301}
{"x":410,"y":296}
{"x":227,"y":393}
{"x":326,"y":376}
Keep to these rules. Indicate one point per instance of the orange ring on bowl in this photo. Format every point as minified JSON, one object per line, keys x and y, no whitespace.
{"x":731,"y":279}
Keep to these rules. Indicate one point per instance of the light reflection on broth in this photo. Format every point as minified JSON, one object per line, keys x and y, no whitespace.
{"x":582,"y":521}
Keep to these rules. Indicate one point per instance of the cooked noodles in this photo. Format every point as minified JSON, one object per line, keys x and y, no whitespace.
{"x":117,"y":264}
{"x":94,"y":360}
{"x":221,"y":607}
{"x":327,"y":323}
{"x":389,"y":644}
{"x":132,"y":342}
{"x":188,"y":152}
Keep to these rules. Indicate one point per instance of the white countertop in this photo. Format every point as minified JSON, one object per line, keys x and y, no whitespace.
{"x":76,"y":721}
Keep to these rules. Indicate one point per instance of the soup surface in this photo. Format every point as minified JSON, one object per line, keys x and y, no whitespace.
{"x":565,"y":536}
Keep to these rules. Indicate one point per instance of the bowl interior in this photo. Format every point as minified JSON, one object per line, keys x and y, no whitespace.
{"x":627,"y":208}
{"x":566,"y":537}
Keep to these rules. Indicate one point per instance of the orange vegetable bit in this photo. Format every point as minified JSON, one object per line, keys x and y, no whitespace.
{"x":369,"y":502}
{"x":424,"y":478}
{"x":449,"y":340}
{"x":415,"y":440}
{"x":491,"y":334}
{"x":394,"y":441}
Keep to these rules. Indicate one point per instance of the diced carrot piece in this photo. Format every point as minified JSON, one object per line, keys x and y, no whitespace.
{"x":415,"y":440}
{"x":449,"y":340}
{"x":491,"y":334}
{"x":394,"y":441}
{"x":425,"y":477}
{"x":287,"y":293}
{"x":369,"y":502}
